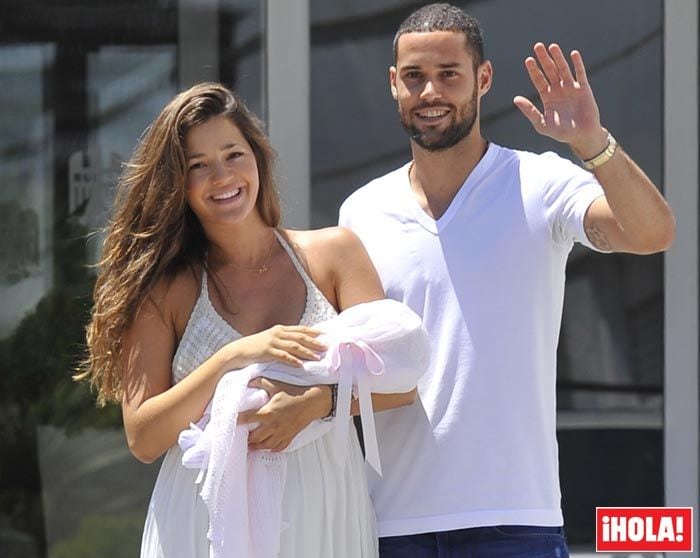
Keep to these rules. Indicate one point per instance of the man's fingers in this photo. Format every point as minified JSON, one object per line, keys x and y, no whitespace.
{"x":579,"y":68}
{"x":547,"y":64}
{"x":561,"y":64}
{"x":530,"y":111}
{"x":536,"y":76}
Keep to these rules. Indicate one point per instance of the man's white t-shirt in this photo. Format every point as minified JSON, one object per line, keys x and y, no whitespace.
{"x":479,"y":446}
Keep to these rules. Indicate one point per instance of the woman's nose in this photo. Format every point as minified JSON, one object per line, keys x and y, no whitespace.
{"x":219,"y":171}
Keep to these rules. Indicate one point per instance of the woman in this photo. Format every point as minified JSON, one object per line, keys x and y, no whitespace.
{"x":196,"y":280}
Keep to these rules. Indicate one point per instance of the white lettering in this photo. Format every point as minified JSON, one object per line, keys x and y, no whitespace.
{"x":666,"y":529}
{"x":679,"y":527}
{"x":635,"y":529}
{"x":618,"y":529}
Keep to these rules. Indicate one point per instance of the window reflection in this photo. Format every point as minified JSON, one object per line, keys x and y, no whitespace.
{"x":126,"y":87}
{"x":611,"y":345}
{"x":26,"y":173}
{"x":80,"y":82}
{"x":91,"y":486}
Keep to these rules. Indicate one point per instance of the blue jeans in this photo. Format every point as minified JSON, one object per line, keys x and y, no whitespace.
{"x":503,"y":541}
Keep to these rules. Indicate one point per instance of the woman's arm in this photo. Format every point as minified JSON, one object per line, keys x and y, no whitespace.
{"x":154,"y":411}
{"x":344,"y":272}
{"x":353,"y":276}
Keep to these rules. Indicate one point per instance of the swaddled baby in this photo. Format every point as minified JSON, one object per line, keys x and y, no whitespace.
{"x":375,"y":347}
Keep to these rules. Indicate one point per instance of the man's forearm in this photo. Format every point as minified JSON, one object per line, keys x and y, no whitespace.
{"x":645,"y":222}
{"x":385,"y":401}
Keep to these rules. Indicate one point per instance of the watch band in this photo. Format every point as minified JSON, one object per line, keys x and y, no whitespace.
{"x":603,"y":157}
{"x":334,"y":402}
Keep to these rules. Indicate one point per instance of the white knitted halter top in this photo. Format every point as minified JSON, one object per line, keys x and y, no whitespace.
{"x":207,"y":331}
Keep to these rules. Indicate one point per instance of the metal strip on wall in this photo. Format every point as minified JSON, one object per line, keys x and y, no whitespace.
{"x":288,"y":115}
{"x":681,"y":425}
{"x":198,"y":41}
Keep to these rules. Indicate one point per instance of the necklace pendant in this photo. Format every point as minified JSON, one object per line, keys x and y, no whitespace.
{"x":263,"y":269}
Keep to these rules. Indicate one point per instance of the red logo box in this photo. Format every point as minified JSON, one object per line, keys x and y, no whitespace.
{"x":644,"y":529}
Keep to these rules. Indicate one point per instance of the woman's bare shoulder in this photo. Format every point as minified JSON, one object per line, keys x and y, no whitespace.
{"x":322,"y":253}
{"x":175,"y":296}
{"x":332,"y":254}
{"x":328,"y":239}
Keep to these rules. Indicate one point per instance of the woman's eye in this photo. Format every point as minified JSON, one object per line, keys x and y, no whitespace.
{"x":235,"y":154}
{"x":195,"y":166}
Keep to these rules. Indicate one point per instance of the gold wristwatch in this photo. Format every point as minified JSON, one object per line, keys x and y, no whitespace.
{"x":603,"y":157}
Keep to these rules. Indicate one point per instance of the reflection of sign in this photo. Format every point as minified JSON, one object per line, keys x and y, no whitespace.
{"x":81,"y":179}
{"x":90,"y":184}
{"x":19,"y":243}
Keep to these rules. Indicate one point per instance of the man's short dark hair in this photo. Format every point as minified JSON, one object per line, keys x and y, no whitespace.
{"x":444,"y":17}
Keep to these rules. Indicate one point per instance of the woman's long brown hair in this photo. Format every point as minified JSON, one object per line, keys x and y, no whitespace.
{"x":153,"y":234}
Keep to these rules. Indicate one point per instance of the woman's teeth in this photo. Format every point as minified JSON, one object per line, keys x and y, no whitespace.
{"x":227,"y":195}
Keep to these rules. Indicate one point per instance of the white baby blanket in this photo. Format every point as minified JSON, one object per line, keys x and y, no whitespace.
{"x":375,"y":347}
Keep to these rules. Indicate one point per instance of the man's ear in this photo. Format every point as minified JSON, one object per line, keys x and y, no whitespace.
{"x":484,"y":76}
{"x":392,"y":82}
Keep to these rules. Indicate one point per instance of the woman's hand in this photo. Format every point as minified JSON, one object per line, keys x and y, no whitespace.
{"x":287,"y":344}
{"x":290,"y":409}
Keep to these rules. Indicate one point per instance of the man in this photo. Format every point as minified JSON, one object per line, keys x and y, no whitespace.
{"x":474,"y":237}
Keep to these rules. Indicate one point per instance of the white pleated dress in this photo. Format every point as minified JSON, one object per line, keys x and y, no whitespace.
{"x":326,"y":512}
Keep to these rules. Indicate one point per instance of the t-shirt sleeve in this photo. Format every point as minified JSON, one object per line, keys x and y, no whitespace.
{"x":569,"y":191}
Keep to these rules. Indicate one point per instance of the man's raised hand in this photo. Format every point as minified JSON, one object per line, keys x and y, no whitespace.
{"x":569,"y":110}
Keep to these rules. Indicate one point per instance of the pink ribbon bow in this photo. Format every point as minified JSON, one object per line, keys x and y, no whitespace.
{"x":358,"y":360}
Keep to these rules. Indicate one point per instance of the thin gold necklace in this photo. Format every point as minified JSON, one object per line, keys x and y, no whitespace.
{"x":263,"y":268}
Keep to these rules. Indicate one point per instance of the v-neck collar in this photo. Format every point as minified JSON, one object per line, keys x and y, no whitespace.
{"x":434,"y":226}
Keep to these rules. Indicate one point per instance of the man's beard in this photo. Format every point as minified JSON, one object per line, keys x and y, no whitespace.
{"x":432,"y":140}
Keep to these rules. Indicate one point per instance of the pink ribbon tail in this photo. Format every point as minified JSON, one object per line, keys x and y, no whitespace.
{"x":362,"y":361}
